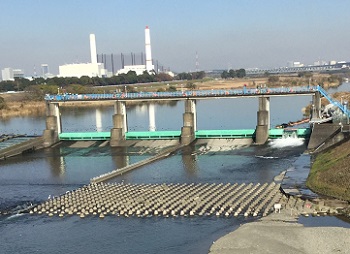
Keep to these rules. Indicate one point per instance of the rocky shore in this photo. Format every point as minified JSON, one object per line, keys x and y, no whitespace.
{"x":281,"y":232}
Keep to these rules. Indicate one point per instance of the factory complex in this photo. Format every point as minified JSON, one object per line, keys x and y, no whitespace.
{"x":95,"y":69}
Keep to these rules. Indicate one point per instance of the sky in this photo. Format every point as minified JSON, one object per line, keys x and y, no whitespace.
{"x":225,"y":34}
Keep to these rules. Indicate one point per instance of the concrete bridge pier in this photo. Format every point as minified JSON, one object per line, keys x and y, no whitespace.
{"x":53,"y":124}
{"x":262,"y":129}
{"x":316,"y":106}
{"x":119,"y":124}
{"x":189,"y":122}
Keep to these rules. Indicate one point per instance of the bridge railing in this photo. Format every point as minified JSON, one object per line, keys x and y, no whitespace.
{"x":333,"y":101}
{"x":183,"y":94}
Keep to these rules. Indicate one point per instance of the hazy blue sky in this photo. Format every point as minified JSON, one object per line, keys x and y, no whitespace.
{"x":225,"y":33}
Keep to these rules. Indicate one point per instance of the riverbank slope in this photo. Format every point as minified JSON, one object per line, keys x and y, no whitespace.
{"x":330,"y":172}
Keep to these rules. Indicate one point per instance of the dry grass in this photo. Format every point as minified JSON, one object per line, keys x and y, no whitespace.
{"x":231,"y":83}
{"x":24,"y":108}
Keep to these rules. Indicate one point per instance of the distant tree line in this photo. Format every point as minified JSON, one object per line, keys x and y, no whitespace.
{"x":190,"y":75}
{"x":233,"y":74}
{"x":84,"y":84}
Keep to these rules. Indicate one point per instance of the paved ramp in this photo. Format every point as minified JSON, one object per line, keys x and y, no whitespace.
{"x":14,"y":145}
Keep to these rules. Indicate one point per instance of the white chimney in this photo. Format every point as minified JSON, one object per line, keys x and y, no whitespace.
{"x":149,"y":66}
{"x":93,"y":49}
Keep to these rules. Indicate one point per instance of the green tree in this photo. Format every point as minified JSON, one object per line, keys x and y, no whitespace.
{"x":37,"y":92}
{"x":7,"y":86}
{"x":85,"y":80}
{"x":232,"y":73}
{"x":224,"y":75}
{"x":78,"y":89}
{"x":130,"y":77}
{"x":163,"y":77}
{"x":145,"y":77}
{"x":241,"y":73}
{"x":21,"y":84}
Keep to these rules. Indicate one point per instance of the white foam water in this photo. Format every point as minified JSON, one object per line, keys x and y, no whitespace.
{"x":286,"y":142}
{"x":14,"y":216}
{"x":266,"y":157}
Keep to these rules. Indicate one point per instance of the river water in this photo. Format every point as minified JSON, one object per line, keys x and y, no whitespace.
{"x":31,"y":178}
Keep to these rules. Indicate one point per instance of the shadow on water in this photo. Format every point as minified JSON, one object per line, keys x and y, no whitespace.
{"x":325,"y":221}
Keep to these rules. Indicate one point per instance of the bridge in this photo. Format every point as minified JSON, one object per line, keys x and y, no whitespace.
{"x":103,"y":199}
{"x":185,"y":95}
{"x":311,"y":68}
{"x":189,"y":132}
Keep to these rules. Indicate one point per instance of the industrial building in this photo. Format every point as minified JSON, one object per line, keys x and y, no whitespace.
{"x":10,"y":74}
{"x":140,"y":69}
{"x":92,"y":69}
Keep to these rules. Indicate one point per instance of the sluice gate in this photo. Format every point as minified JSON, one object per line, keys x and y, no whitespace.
{"x":162,"y":135}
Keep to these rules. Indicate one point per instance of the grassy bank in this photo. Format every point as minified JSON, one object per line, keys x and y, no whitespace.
{"x":330,"y":173}
{"x":24,"y":108}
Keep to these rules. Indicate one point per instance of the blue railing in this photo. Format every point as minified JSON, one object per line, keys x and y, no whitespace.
{"x":183,"y":94}
{"x":333,"y":101}
{"x":199,"y":93}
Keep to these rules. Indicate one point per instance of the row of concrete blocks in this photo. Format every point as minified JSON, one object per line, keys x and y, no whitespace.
{"x":167,"y":200}
{"x":297,"y":206}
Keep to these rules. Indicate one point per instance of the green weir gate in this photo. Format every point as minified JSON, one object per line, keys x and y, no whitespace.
{"x":247,"y":133}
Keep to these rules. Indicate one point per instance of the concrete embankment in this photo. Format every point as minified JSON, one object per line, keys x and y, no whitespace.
{"x":118,"y":172}
{"x":326,"y":135}
{"x":21,"y":147}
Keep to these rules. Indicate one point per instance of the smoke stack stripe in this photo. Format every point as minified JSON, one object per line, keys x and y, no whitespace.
{"x":149,"y":66}
{"x":93,"y":49}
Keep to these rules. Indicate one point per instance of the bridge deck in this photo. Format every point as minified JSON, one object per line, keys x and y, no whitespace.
{"x":180,"y":95}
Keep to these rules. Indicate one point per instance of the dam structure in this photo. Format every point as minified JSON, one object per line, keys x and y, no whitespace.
{"x":102,"y":198}
{"x":189,"y":131}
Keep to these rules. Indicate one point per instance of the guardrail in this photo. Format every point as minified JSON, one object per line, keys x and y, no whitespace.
{"x":333,"y":101}
{"x":183,"y":94}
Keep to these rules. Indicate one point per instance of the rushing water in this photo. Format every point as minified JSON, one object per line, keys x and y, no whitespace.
{"x":31,"y":178}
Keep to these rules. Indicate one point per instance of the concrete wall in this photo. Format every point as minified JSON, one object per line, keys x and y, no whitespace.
{"x":189,"y":123}
{"x":263,"y":121}
{"x":324,"y":136}
{"x":53,"y":125}
{"x":29,"y":145}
